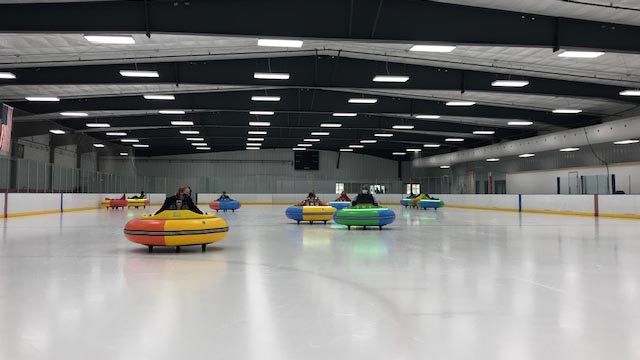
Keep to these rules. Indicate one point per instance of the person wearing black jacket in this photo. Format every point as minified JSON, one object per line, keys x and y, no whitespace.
{"x":365,"y":197}
{"x":180,"y":201}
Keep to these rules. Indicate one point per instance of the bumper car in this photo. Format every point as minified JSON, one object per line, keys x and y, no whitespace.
{"x":138,"y":202}
{"x":365,"y":215}
{"x":176,"y":228}
{"x":339,"y":205}
{"x":430,"y":204}
{"x":406,"y":202}
{"x":225,"y":204}
{"x":310,"y":213}
{"x":114,"y":203}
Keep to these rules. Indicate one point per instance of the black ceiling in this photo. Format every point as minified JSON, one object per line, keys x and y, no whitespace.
{"x":319,"y":85}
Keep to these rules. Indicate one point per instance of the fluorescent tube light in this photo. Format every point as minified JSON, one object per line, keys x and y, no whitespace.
{"x":200,"y":144}
{"x":368,"y":141}
{"x":254,"y":144}
{"x":304,"y":145}
{"x":460,"y":103}
{"x":116,"y":134}
{"x":391,"y":78}
{"x":526,"y":155}
{"x":252,"y":148}
{"x":492,"y":160}
{"x":433,"y":48}
{"x":42,"y":98}
{"x":7,"y":75}
{"x":330,"y":125}
{"x":271,"y":76}
{"x":311,"y":140}
{"x":454,"y":139}
{"x":510,"y":83}
{"x":139,"y":73}
{"x":265,"y":98}
{"x":566,"y":111}
{"x":129,"y":140}
{"x":399,"y":153}
{"x":626,"y":142}
{"x":98,"y":145}
{"x":124,"y":154}
{"x":299,"y":149}
{"x":140,"y":145}
{"x":346,"y":150}
{"x":74,"y":114}
{"x":110,"y":39}
{"x":414,"y":150}
{"x":520,"y":123}
{"x":427,"y":116}
{"x":445,"y":167}
{"x":383,"y":135}
{"x":252,"y":132}
{"x":203,"y":148}
{"x":57,"y":132}
{"x":431,"y":145}
{"x":190,"y":132}
{"x":581,"y":54}
{"x":259,"y":123}
{"x":261,"y":112}
{"x":484,"y":132}
{"x":98,"y":125}
{"x":172,"y":112}
{"x":403,"y":127}
{"x":570,"y":149}
{"x":319,"y":133}
{"x":280,"y":43}
{"x":337,"y":114}
{"x":182,"y":123}
{"x":630,"y":93}
{"x":195,"y":139}
{"x":356,"y":146}
{"x":255,"y":139}
{"x":159,"y":97}
{"x":363,"y":101}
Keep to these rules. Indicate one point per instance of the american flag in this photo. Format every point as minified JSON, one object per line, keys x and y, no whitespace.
{"x":6,"y":120}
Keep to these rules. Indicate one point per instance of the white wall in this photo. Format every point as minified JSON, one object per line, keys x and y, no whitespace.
{"x":23,"y":202}
{"x":1,"y":205}
{"x":204,"y":198}
{"x":619,"y":204}
{"x":573,"y":203}
{"x":80,"y":201}
{"x":489,"y":201}
{"x":264,"y":171}
{"x":544,"y":182}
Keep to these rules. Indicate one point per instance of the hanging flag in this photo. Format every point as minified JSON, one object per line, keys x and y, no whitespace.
{"x":6,"y":120}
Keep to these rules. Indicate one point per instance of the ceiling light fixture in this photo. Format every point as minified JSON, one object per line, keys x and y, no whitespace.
{"x":203,"y":148}
{"x":280,"y":43}
{"x":172,"y":112}
{"x":268,"y":113}
{"x":399,"y":153}
{"x":74,"y":114}
{"x":298,"y":149}
{"x":445,"y":167}
{"x":139,"y":73}
{"x":431,"y":145}
{"x":383,"y":135}
{"x":346,"y":150}
{"x":252,"y":148}
{"x":427,"y":116}
{"x":454,"y":139}
{"x":182,"y":123}
{"x":254,"y":144}
{"x":391,"y":78}
{"x":271,"y":76}
{"x":129,"y":140}
{"x":200,"y":144}
{"x":252,"y":132}
{"x":581,"y":54}
{"x":305,"y":145}
{"x":356,"y":146}
{"x":626,"y":142}
{"x":159,"y":97}
{"x":57,"y":132}
{"x":190,"y":132}
{"x":116,"y":134}
{"x":363,"y":101}
{"x":368,"y":141}
{"x":124,"y":154}
{"x":255,"y":139}
{"x":403,"y":127}
{"x":259,"y":123}
{"x":520,"y":123}
{"x":195,"y":139}
{"x":414,"y":150}
{"x":330,"y":125}
{"x":570,"y":149}
{"x":484,"y":132}
{"x":98,"y":125}
{"x":265,"y":98}
{"x":320,"y":133}
{"x":98,"y":145}
{"x":433,"y":48}
{"x":7,"y":75}
{"x":140,"y":145}
{"x":460,"y":103}
{"x":492,"y":160}
{"x":630,"y":93}
{"x":510,"y":83}
{"x":566,"y":111}
{"x":311,"y":140}
{"x":110,"y":39}
{"x":338,"y":114}
{"x":42,"y":98}
{"x":526,"y":155}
